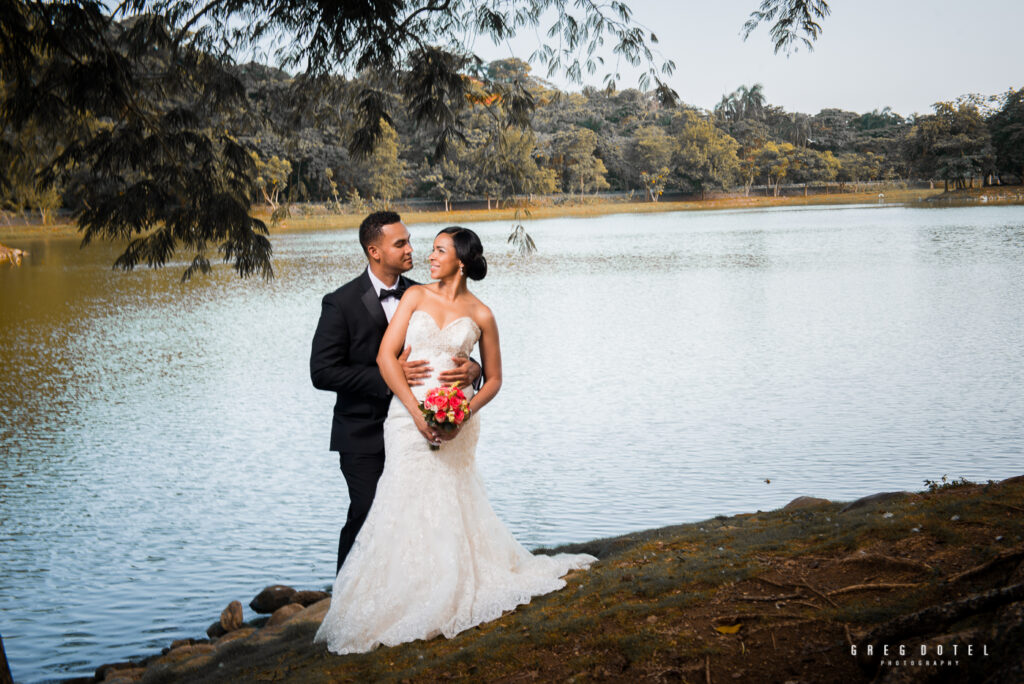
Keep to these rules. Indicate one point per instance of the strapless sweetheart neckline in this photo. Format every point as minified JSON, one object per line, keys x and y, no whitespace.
{"x":449,"y":323}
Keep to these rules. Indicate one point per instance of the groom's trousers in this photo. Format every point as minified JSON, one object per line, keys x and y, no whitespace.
{"x":361,"y":473}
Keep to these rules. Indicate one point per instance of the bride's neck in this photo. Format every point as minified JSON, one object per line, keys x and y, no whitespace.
{"x":451,"y":287}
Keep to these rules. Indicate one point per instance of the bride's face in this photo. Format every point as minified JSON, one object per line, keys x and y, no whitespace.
{"x":443,"y":261}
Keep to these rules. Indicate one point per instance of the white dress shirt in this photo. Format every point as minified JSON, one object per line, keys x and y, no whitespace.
{"x":390,"y":305}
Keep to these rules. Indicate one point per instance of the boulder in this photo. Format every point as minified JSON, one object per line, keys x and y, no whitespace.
{"x":283,"y":613}
{"x":183,"y":653}
{"x":313,"y":614}
{"x":272,"y":598}
{"x":215,"y":630}
{"x":872,"y":499}
{"x":308,"y":598}
{"x":231,"y":618}
{"x":235,"y":636}
{"x":804,"y":502}
{"x":107,"y":670}
{"x":126,"y":676}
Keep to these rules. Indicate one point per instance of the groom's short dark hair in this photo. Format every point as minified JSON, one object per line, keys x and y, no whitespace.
{"x":370,"y":229}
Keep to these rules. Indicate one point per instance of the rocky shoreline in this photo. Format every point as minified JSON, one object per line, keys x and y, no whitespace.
{"x":941,"y":566}
{"x":279,"y":606}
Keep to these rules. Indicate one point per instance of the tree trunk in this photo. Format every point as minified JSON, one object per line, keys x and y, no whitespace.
{"x":805,"y":189}
{"x":272,"y":203}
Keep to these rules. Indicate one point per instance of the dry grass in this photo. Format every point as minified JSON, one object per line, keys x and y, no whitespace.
{"x":790,"y":590}
{"x":319,"y":220}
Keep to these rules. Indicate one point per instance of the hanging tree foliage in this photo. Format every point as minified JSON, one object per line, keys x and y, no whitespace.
{"x":139,"y":98}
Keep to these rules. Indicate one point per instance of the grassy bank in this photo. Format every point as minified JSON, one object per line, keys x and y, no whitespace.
{"x":300,"y":221}
{"x":589,"y":209}
{"x":761,"y":597}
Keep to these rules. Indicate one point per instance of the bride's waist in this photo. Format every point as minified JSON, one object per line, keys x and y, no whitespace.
{"x":438,"y":365}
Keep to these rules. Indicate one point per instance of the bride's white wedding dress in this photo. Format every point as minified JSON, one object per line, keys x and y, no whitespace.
{"x":432,"y":557}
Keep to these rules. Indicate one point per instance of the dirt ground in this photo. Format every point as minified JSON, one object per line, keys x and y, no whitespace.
{"x":815,"y":592}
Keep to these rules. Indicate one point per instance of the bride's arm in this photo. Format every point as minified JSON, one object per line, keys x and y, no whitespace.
{"x":391,"y":348}
{"x":490,"y":355}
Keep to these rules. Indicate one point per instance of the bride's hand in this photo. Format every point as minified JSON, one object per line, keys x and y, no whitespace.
{"x":429,"y":433}
{"x":449,"y":434}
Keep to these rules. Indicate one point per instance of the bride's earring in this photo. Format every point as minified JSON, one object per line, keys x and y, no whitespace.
{"x":460,"y":269}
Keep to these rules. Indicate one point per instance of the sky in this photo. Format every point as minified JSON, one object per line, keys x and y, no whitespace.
{"x":904,"y":54}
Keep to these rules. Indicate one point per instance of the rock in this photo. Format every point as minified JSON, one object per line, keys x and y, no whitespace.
{"x":272,"y":598}
{"x":804,"y":502}
{"x":126,"y":676}
{"x":181,"y":642}
{"x":235,"y":636}
{"x":880,"y":498}
{"x":283,"y":613}
{"x":107,"y":670}
{"x":1018,"y":479}
{"x":215,"y":630}
{"x":183,"y":653}
{"x":312,"y":614}
{"x":231,"y":618}
{"x":308,"y":598}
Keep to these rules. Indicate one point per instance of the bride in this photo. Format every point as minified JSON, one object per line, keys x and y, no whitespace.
{"x":432,"y":557}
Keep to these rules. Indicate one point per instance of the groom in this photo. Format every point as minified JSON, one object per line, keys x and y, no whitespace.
{"x":344,"y":360}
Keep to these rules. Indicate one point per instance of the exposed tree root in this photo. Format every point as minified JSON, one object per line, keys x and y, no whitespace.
{"x":1015,"y":554}
{"x":877,"y":585}
{"x":936,"y":618}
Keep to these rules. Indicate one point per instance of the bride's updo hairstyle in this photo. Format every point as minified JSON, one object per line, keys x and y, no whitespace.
{"x":469,"y":251}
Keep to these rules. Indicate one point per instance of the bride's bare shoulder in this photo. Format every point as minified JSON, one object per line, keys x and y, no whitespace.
{"x":482,"y":315}
{"x":415,"y":292}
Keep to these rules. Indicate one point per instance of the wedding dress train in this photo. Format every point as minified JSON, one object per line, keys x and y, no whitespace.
{"x":432,"y":557}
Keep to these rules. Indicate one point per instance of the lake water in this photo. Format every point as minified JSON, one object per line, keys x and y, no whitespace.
{"x":164,"y":453}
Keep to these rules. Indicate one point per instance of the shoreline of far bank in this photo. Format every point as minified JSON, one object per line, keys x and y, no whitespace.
{"x":807,"y":592}
{"x":311,"y":218}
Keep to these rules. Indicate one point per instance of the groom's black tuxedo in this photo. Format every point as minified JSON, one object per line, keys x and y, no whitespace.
{"x":344,"y":360}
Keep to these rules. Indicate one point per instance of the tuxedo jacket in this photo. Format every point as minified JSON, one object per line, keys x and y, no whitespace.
{"x":344,"y":360}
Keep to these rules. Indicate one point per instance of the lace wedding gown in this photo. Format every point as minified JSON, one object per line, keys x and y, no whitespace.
{"x":432,"y":557}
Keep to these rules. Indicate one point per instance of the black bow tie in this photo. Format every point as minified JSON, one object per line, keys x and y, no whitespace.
{"x":396,"y":293}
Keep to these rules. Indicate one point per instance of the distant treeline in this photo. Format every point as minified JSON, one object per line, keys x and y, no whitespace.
{"x":579,"y":143}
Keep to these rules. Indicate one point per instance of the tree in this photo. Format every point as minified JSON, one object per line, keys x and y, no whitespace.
{"x":1007,"y":129}
{"x":857,"y":167}
{"x":383,"y":171}
{"x":774,"y":163}
{"x":572,"y":155}
{"x":166,"y":174}
{"x":705,"y":156}
{"x":272,"y":178}
{"x":811,"y":166}
{"x":652,"y":152}
{"x":953,"y":144}
{"x":742,"y":104}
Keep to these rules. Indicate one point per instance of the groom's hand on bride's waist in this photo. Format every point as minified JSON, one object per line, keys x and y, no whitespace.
{"x":465,"y":372}
{"x":415,"y":371}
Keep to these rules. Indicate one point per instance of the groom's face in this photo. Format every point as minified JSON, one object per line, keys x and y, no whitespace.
{"x":393,"y":248}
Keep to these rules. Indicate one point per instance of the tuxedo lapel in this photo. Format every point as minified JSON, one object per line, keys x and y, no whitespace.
{"x":372,"y":303}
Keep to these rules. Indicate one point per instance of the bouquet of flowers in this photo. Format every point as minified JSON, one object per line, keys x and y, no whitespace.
{"x":445,"y":408}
